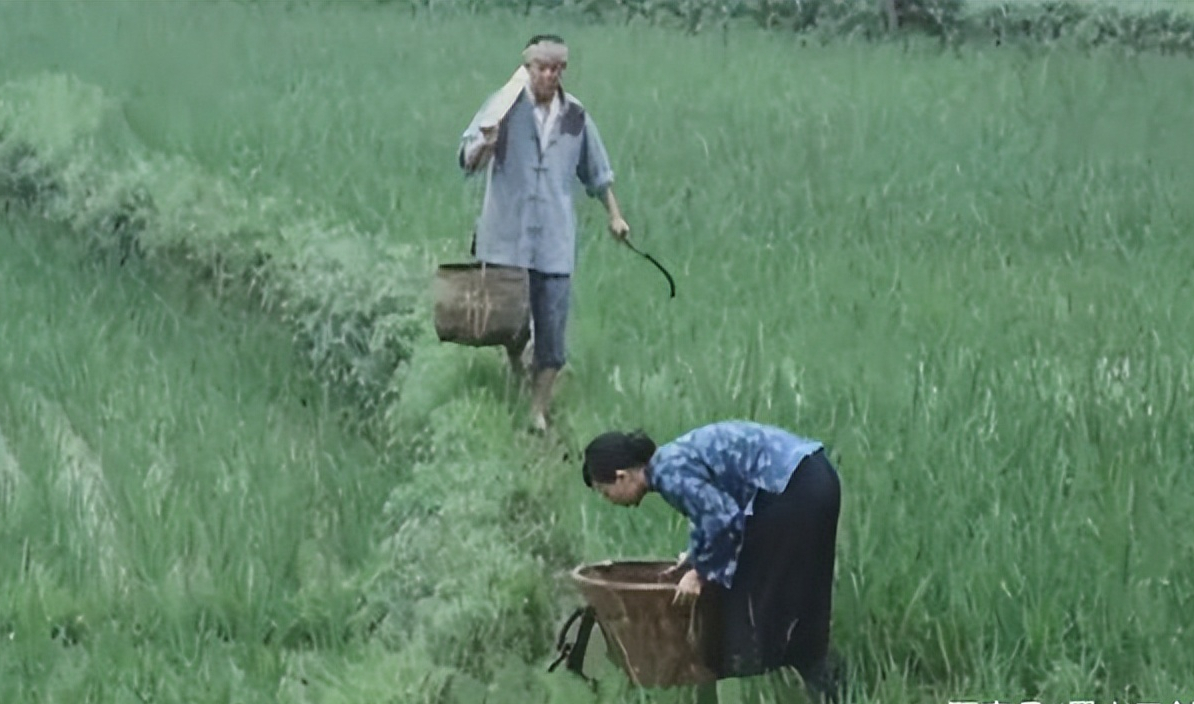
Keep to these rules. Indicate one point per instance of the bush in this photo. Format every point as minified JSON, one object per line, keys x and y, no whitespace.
{"x":1088,"y":26}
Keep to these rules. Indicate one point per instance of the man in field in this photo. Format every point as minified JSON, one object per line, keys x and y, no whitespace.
{"x":530,"y":139}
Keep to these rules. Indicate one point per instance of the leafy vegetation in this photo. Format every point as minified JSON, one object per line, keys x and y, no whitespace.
{"x":966,"y":272}
{"x":1148,"y":25}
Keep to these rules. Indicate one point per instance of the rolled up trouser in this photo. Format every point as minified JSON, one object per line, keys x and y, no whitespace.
{"x":549,"y":317}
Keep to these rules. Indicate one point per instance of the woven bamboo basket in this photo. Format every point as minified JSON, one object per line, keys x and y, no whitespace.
{"x":657,"y":643}
{"x":482,"y":305}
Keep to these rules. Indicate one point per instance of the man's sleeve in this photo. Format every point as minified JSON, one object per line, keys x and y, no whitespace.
{"x":593,"y":169}
{"x":470,"y":143}
{"x":472,"y":140}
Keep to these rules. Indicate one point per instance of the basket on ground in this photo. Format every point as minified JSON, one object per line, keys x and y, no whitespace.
{"x":656,"y":642}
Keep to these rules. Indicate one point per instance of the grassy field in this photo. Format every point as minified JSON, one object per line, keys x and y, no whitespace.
{"x":967,"y":273}
{"x":174,"y":487}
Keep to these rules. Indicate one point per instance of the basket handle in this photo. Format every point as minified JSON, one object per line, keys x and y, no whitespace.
{"x":573,"y":654}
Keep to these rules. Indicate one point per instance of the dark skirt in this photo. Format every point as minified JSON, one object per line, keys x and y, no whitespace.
{"x":777,"y":612}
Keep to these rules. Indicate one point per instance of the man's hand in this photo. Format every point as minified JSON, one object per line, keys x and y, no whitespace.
{"x":617,"y":224}
{"x":688,"y":589}
{"x":618,"y":228}
{"x":480,"y":153}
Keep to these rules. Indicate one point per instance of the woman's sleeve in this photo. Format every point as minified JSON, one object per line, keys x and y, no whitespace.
{"x":717,"y":526}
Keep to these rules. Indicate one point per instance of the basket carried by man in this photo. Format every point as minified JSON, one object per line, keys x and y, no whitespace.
{"x":482,"y":305}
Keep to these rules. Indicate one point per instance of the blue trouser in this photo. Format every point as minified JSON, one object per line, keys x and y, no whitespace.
{"x":549,"y":315}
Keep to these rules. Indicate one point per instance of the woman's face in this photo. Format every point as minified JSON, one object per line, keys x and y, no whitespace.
{"x":627,"y":489}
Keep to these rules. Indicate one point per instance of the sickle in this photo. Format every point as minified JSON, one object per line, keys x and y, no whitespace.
{"x":670,"y":281}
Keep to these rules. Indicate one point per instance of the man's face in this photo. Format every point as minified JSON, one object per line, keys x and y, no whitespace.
{"x":545,"y":78}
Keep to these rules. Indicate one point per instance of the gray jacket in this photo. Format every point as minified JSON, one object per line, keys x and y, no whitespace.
{"x":527,"y":218}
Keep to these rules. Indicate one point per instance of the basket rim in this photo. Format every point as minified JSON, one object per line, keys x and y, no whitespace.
{"x":465,"y":266}
{"x":578,"y":576}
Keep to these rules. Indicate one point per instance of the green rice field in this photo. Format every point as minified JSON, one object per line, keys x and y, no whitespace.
{"x":237,"y":466}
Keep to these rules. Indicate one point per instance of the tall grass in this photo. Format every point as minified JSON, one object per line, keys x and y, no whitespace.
{"x":966,"y":273}
{"x":179,"y":491}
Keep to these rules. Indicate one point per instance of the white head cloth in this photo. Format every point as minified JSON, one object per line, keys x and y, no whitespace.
{"x":547,"y":52}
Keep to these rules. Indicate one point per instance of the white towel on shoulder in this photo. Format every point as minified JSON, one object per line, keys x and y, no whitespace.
{"x":492,"y":112}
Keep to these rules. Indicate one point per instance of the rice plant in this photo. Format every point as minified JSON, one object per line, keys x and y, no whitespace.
{"x":966,"y":272}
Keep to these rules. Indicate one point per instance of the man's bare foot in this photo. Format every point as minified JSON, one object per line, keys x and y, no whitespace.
{"x":538,"y":422}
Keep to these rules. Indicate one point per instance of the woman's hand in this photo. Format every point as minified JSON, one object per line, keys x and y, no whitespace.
{"x":681,"y":563}
{"x":688,"y":589}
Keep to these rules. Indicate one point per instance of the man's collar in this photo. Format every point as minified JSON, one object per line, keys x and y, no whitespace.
{"x":558,"y":98}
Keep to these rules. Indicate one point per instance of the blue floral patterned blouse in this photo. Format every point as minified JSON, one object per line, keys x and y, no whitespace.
{"x":711,"y":475}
